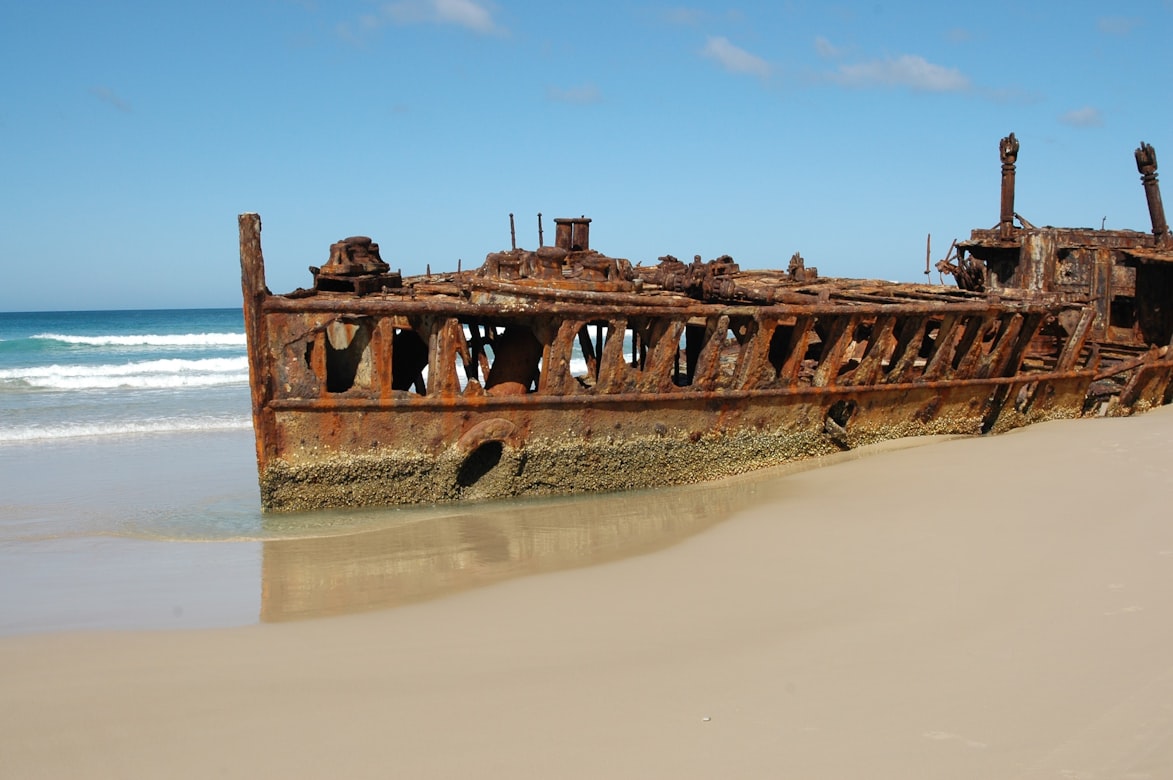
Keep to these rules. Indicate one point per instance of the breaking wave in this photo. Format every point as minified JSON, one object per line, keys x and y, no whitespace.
{"x":150,"y":340}
{"x":35,"y":433}
{"x":148,"y":374}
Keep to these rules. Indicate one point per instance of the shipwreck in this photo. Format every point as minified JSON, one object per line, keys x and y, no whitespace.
{"x":561,"y":370}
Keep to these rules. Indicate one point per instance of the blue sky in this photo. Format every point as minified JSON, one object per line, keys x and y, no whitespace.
{"x":133,"y":133}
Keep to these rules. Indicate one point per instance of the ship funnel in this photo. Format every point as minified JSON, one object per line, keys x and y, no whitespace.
{"x":1146,"y":165}
{"x":1008,"y":149}
{"x":573,"y":234}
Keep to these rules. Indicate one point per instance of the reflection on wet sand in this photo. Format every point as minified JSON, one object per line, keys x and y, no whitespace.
{"x":432,"y":556}
{"x":422,"y":554}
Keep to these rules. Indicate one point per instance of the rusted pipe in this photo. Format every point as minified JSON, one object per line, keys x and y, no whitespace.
{"x":1146,"y":165}
{"x":1008,"y":149}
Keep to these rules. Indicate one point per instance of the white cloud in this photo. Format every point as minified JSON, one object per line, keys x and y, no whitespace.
{"x":466,"y":13}
{"x":734,"y":58}
{"x":587,"y":93}
{"x":1083,"y":117}
{"x":907,"y":70}
{"x":472,"y":15}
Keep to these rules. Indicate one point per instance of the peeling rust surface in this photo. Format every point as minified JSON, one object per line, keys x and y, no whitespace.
{"x":561,"y":369}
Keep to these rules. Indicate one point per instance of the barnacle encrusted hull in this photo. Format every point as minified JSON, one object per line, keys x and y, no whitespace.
{"x":641,"y":448}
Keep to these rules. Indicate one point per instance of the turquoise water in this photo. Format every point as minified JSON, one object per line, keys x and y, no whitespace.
{"x":119,"y":422}
{"x":66,"y":375}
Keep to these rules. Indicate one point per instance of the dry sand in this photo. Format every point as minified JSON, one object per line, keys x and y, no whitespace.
{"x":989,"y":608}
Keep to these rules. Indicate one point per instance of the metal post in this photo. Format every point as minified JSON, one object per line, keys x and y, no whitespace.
{"x":252,"y":283}
{"x":1008,"y":149}
{"x":1146,"y":164}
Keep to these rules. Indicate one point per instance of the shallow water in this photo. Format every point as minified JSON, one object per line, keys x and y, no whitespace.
{"x":165,"y":531}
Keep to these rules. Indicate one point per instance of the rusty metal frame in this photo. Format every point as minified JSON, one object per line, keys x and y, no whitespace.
{"x":1122,"y":278}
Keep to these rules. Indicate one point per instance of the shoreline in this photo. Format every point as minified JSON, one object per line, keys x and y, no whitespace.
{"x":131,"y":543}
{"x":986,"y":607}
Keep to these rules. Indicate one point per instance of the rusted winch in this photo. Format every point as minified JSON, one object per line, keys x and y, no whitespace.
{"x":700,"y":280}
{"x":355,"y":267}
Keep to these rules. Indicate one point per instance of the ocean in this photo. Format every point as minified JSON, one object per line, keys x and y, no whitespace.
{"x":69,"y":375}
{"x":129,"y":497}
{"x":122,"y":435}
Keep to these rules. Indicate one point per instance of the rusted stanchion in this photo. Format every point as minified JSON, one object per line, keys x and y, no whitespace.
{"x":540,"y":244}
{"x":1146,"y":165}
{"x":1008,"y":149}
{"x":252,"y":283}
{"x":512,"y":231}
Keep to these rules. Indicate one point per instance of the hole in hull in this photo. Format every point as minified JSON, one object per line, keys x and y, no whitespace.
{"x":835,"y":424}
{"x":841,"y":412}
{"x":479,"y":462}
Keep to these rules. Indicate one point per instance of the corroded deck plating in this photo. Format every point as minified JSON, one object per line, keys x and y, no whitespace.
{"x":563,"y":370}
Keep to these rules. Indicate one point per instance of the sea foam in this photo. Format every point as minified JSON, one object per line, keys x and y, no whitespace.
{"x":35,"y":433}
{"x":163,"y":373}
{"x":150,"y":340}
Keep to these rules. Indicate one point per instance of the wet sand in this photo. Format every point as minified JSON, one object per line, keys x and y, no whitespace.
{"x":977,"y":608}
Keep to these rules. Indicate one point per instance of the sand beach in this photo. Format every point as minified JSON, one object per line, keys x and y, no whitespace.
{"x":973,"y":608}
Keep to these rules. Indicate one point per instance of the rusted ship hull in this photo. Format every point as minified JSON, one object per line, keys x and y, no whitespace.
{"x":616,"y":444}
{"x":591,"y":376}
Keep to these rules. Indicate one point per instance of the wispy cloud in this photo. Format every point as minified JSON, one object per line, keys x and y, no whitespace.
{"x":106,"y":95}
{"x":733,"y":58}
{"x":826,"y":49}
{"x":473,"y":15}
{"x":907,"y":70}
{"x":690,"y":17}
{"x":581,"y":95}
{"x":1083,"y":117}
{"x":1116,"y":25}
{"x":695,"y":17}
